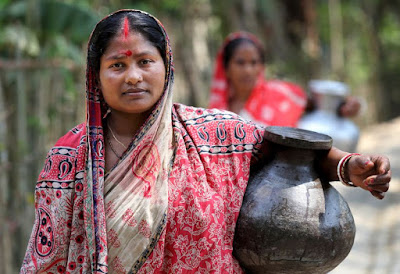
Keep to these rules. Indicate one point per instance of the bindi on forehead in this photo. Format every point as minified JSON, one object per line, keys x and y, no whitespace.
{"x":127,"y":53}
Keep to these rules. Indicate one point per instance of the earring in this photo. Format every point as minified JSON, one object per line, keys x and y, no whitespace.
{"x":107,"y":112}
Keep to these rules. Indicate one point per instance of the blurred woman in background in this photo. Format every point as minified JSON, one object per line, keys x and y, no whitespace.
{"x":239,"y":85}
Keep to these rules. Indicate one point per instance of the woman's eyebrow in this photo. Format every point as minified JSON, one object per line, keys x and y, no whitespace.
{"x":128,"y":53}
{"x":115,"y":56}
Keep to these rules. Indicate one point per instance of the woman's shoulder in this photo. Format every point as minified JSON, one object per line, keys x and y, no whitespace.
{"x":285,"y":85}
{"x":73,"y":137}
{"x":214,"y":130}
{"x":189,"y":113}
{"x":67,"y":150}
{"x":195,"y":117}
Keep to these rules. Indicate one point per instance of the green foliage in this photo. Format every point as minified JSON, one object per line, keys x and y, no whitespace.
{"x":70,"y":84}
{"x":34,"y":122}
{"x":61,"y":30}
{"x":357,"y":45}
{"x":21,"y":38}
{"x":390,"y":37}
{"x":323,"y":22}
{"x":4,"y":3}
{"x":73,"y":21}
{"x":13,"y":10}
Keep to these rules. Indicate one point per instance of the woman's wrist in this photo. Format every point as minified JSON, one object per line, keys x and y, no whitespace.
{"x":342,"y":170}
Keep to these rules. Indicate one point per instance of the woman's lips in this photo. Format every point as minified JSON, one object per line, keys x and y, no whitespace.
{"x":134,"y":91}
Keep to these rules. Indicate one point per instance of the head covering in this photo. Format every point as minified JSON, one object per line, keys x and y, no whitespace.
{"x":151,"y":145}
{"x":271,"y":103}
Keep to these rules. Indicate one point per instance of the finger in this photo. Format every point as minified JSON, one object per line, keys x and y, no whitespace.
{"x":383,"y":178}
{"x":379,"y":188}
{"x":382,"y":164}
{"x":362,"y":164}
{"x":375,"y":180}
{"x":384,"y":167}
{"x":378,"y":195}
{"x":378,"y":179}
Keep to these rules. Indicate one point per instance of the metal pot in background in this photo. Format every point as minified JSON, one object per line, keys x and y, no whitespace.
{"x":328,"y":96}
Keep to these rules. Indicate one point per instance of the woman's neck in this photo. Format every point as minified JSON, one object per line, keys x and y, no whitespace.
{"x":125,"y":125}
{"x":238,"y":100}
{"x":120,"y":129}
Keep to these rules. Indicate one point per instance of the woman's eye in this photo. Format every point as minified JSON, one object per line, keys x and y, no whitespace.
{"x":240,"y":62}
{"x":254,"y":62}
{"x":117,"y":65}
{"x":145,"y":61}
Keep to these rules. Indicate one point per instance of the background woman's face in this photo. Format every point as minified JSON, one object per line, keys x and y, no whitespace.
{"x":243,"y":69}
{"x":132,"y":73}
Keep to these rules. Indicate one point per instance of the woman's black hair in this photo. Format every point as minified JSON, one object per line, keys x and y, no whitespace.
{"x":111,"y":26}
{"x":231,"y":46}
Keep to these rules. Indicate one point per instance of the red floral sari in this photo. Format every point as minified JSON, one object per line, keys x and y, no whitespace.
{"x":271,"y":103}
{"x":169,"y":206}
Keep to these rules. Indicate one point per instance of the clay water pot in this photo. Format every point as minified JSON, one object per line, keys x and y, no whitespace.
{"x":291,"y":221}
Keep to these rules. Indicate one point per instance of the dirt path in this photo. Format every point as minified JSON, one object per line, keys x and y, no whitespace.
{"x":377,"y":244}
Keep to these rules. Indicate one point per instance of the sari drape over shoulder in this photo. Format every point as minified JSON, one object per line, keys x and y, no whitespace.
{"x":271,"y":102}
{"x":170,"y":204}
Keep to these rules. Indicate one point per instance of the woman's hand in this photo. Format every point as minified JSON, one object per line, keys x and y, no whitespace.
{"x":350,"y":107}
{"x":370,"y":172}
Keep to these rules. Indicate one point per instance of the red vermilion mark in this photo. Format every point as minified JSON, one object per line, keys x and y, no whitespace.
{"x":126,"y":52}
{"x":126,"y":28}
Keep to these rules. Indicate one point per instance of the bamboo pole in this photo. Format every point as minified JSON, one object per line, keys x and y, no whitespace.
{"x":36,"y":64}
{"x":5,"y":237}
{"x":20,"y":186}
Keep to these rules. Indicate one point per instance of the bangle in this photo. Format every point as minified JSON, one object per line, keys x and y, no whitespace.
{"x":340,"y":169}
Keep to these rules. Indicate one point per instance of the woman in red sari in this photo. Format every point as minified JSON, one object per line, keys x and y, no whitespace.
{"x":239,"y":85}
{"x":144,"y":185}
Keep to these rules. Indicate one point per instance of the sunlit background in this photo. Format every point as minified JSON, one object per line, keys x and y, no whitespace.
{"x":42,"y":73}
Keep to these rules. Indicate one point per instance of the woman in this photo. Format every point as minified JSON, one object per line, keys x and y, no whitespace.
{"x":145,"y":186}
{"x":239,"y":86}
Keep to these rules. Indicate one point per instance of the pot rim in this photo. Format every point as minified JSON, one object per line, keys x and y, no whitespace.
{"x":298,"y":138}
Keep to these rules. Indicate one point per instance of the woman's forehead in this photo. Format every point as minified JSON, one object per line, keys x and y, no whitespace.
{"x":131,"y":43}
{"x":246,"y":48}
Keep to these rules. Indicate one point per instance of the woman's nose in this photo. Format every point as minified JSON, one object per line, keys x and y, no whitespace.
{"x":248,"y":68}
{"x":133,"y":76}
{"x":251,"y":68}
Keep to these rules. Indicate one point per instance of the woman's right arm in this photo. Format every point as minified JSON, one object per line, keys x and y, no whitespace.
{"x":58,"y":227}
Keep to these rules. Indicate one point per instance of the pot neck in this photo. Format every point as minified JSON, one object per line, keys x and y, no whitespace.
{"x":294,"y":156}
{"x":328,"y":102}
